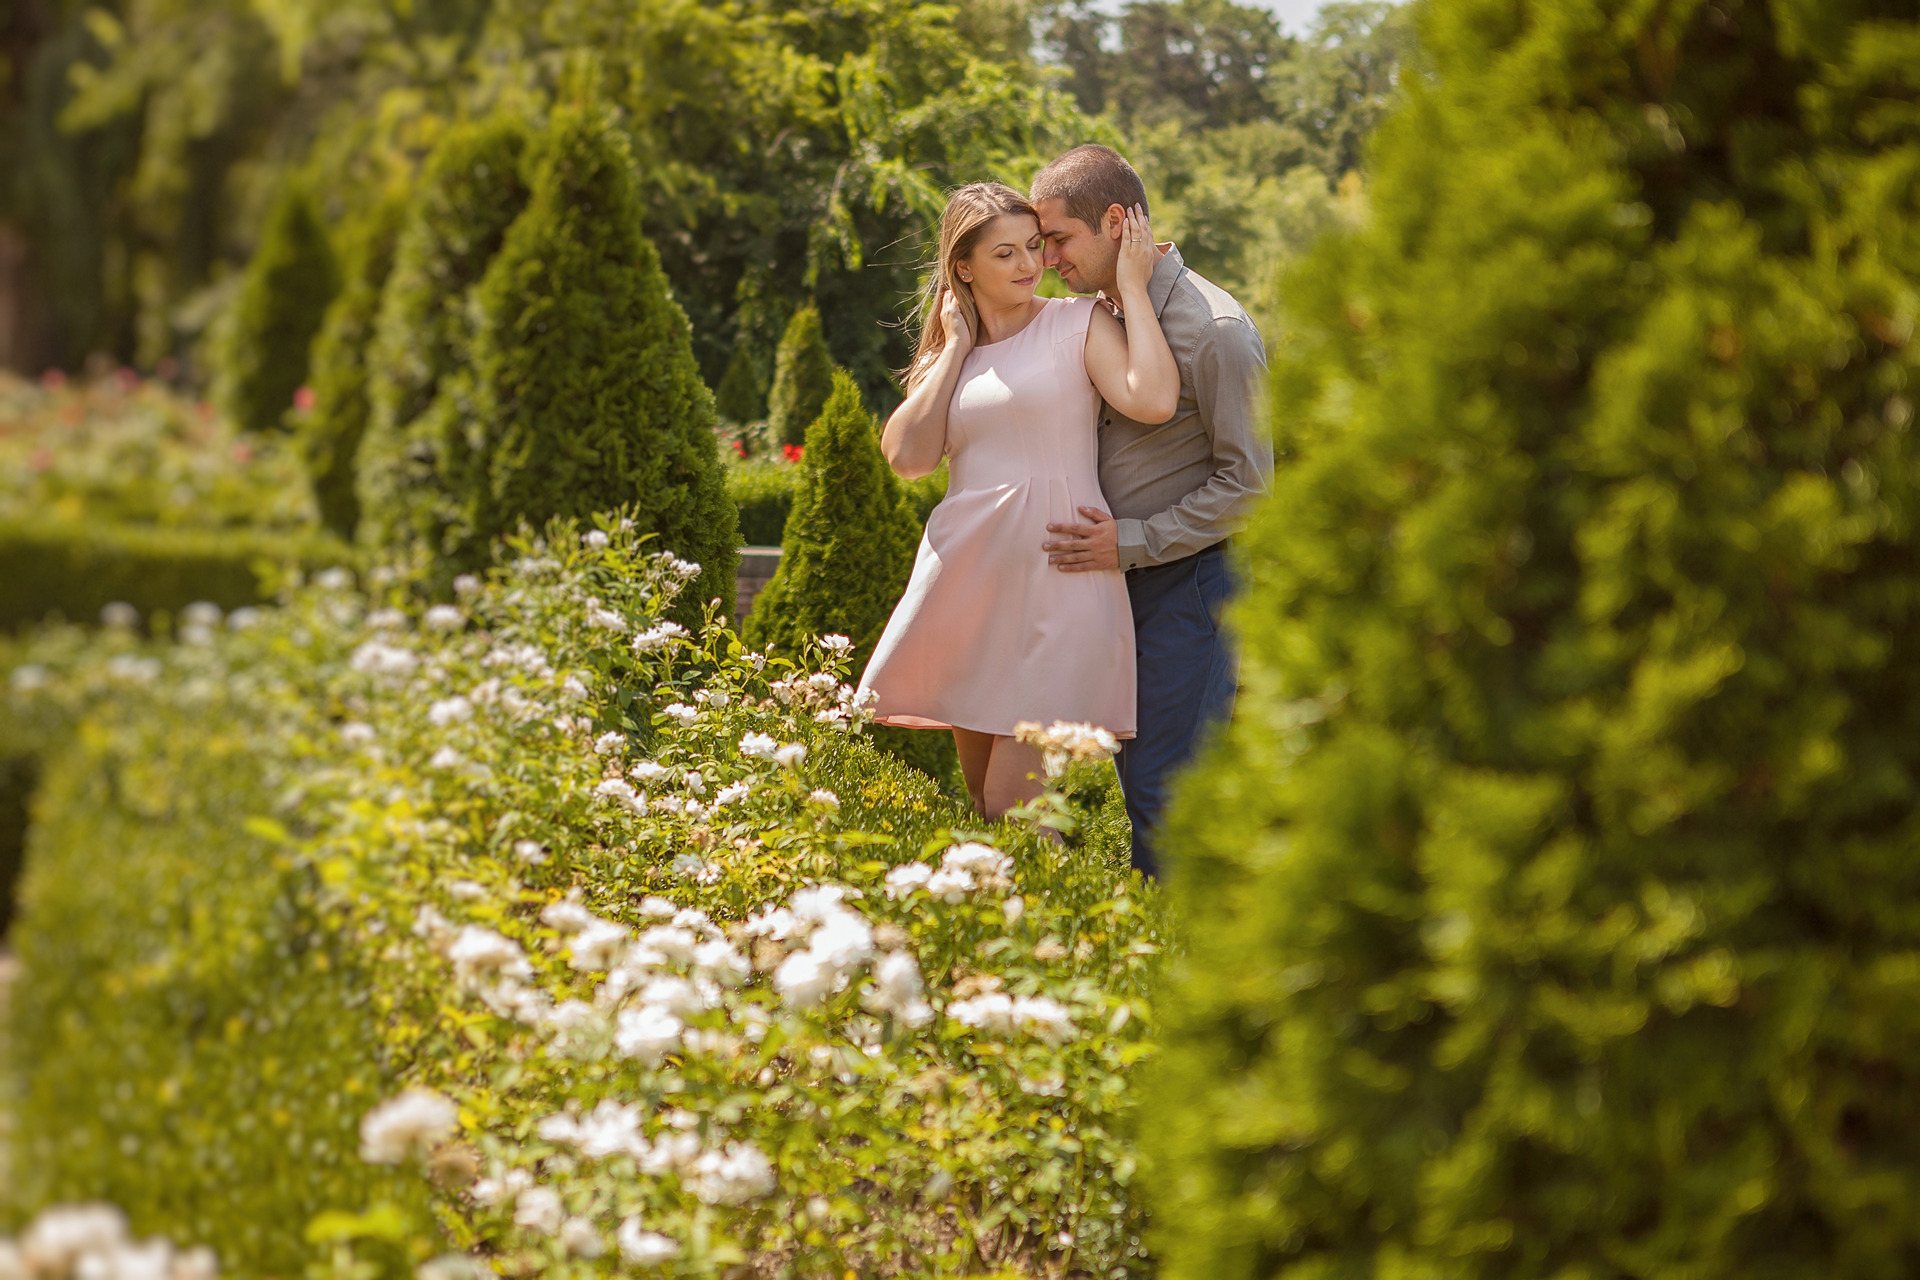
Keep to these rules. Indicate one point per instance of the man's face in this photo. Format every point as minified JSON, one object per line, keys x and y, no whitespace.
{"x":1083,"y":255}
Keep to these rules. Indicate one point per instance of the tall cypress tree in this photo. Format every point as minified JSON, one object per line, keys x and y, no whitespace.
{"x":846,"y":556}
{"x":470,"y":191}
{"x":1550,"y":903}
{"x":737,"y":398}
{"x":330,"y":438}
{"x":802,"y":378}
{"x":290,"y":280}
{"x":586,"y":396}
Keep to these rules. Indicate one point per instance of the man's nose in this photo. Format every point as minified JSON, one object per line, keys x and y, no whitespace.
{"x":1050,"y":255}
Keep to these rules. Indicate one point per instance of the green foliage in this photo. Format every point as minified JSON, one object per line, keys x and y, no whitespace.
{"x":802,"y":379}
{"x":846,"y":555}
{"x":470,"y":191}
{"x":289,"y":283}
{"x":71,"y":570}
{"x":259,"y":945}
{"x":191,"y":1040}
{"x":1549,"y":902}
{"x":330,"y":435}
{"x":848,"y":548}
{"x":762,"y":493}
{"x":19,"y":778}
{"x":586,"y":395}
{"x":123,"y":450}
{"x":738,"y":398}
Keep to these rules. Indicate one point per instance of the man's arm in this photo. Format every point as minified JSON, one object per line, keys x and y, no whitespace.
{"x":1229,"y":367}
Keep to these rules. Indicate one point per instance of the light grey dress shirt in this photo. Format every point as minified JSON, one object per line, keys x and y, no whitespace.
{"x":1182,"y":485}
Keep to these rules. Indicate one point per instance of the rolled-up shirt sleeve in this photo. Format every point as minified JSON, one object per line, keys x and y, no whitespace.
{"x":1228,"y":378}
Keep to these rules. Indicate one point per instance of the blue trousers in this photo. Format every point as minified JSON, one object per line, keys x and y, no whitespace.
{"x":1187,"y":677}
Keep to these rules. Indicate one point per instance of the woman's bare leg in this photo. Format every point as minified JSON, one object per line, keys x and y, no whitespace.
{"x":976,"y":750}
{"x":1015,"y":775}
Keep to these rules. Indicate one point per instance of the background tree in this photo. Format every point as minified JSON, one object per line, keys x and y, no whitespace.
{"x":803,"y":378}
{"x":471,"y":190}
{"x":1550,"y":896}
{"x":737,"y":399}
{"x":585,"y":394}
{"x":288,"y":285}
{"x":846,"y":557}
{"x":330,"y":436}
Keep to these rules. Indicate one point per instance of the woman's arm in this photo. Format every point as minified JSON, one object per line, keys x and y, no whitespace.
{"x":915,"y":438}
{"x":1131,"y":365}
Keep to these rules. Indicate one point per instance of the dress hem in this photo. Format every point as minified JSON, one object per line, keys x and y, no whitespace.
{"x":923,"y":722}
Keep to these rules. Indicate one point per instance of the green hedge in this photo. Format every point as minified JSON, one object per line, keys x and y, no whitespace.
{"x":191,"y":1040}
{"x":1551,"y":899}
{"x":49,"y":568}
{"x":228,"y":955}
{"x":763,"y":494}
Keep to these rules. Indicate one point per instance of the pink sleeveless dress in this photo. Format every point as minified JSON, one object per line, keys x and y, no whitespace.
{"x":988,"y":633}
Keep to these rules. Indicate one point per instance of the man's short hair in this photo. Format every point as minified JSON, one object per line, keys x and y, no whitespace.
{"x":1089,"y":180}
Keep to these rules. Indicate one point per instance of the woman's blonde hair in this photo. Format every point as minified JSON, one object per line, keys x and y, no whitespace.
{"x":969,"y":210}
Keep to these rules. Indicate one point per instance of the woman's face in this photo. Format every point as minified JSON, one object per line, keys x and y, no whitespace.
{"x":1005,"y":264}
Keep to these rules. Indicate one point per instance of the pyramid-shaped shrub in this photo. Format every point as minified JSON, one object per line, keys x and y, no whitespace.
{"x":330,"y":437}
{"x":802,"y":378}
{"x":846,"y":556}
{"x":289,"y":282}
{"x":1552,"y":907}
{"x":586,"y":394}
{"x":850,"y":538}
{"x":469,"y":192}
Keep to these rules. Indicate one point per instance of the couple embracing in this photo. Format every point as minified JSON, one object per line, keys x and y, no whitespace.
{"x":1102,"y":449}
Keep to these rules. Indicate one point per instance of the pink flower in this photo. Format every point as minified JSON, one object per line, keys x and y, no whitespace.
{"x":53,"y":379}
{"x":303,"y":398}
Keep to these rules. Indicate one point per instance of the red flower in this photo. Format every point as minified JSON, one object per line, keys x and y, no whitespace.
{"x":303,"y":399}
{"x":740,"y":448}
{"x":127,"y":378}
{"x":793,"y":452}
{"x":53,"y":379}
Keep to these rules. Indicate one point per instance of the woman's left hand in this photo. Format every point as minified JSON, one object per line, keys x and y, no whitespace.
{"x":1138,"y":257}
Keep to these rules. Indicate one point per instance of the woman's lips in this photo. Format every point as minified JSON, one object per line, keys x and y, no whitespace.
{"x":1026,"y":280}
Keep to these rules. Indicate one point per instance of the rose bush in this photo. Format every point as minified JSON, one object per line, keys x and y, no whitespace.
{"x":573,"y":940}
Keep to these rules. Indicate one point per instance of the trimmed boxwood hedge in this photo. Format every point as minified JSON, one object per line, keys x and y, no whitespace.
{"x":70,"y":570}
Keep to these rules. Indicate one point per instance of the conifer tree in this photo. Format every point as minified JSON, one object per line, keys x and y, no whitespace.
{"x":802,"y":378}
{"x":737,"y":398}
{"x":1549,"y":904}
{"x":586,"y":397}
{"x":470,"y":190}
{"x":289,"y":282}
{"x":330,"y":437}
{"x":846,"y":557}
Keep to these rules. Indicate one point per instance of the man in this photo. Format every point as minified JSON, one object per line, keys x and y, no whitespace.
{"x":1178,"y":489}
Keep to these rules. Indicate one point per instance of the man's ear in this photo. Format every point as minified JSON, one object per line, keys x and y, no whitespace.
{"x":1114,"y":222}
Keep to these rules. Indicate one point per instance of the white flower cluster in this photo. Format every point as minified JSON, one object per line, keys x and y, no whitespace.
{"x":995,"y":1013}
{"x":827,"y":944}
{"x":90,"y":1242}
{"x":486,"y":964}
{"x":407,"y":1126}
{"x":831,"y":702}
{"x":655,"y":983}
{"x":963,"y":869}
{"x":1062,"y":743}
{"x":659,"y":636}
{"x":728,"y":1173}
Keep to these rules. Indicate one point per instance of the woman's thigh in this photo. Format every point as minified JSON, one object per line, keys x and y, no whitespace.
{"x":1015,"y":775}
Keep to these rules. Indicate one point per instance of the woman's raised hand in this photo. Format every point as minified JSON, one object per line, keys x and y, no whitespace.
{"x":1137,"y":254}
{"x":953,"y":322}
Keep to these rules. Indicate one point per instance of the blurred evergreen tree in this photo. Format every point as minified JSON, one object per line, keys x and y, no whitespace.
{"x":330,"y":435}
{"x":1549,"y":902}
{"x":803,"y":378}
{"x":738,"y":398}
{"x":289,"y":283}
{"x":470,"y":191}
{"x":585,"y":395}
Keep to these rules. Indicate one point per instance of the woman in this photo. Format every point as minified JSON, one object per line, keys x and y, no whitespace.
{"x":1008,"y":386}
